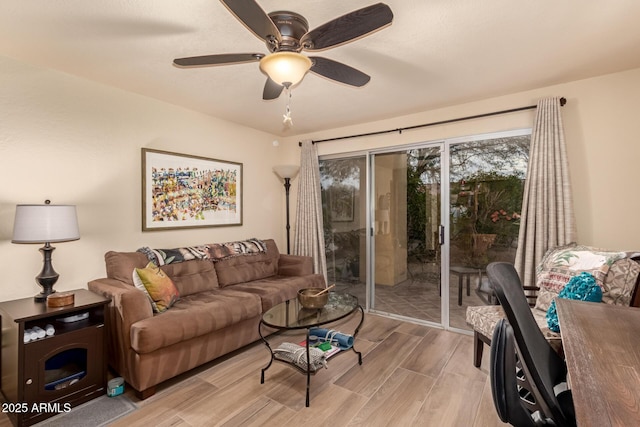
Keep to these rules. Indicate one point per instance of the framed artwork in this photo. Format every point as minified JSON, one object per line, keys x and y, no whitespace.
{"x":183,"y":191}
{"x":341,"y":200}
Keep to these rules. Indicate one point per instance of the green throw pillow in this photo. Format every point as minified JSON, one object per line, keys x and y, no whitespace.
{"x":160,"y":289}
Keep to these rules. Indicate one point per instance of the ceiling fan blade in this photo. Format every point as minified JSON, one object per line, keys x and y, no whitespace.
{"x":338,"y":71}
{"x":254,"y":18}
{"x":272,"y":90}
{"x":349,"y":27}
{"x":222,"y":59}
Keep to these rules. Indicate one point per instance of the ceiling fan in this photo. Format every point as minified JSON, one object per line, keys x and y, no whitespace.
{"x":286,"y":34}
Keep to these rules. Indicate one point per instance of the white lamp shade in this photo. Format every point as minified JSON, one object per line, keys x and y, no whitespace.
{"x":285,"y":68}
{"x":286,"y":171}
{"x":45,"y":223}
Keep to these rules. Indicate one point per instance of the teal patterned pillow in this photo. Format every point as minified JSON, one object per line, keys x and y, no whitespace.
{"x":582,"y":287}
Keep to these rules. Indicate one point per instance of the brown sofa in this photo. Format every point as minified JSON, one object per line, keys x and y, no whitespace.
{"x":218,"y":311}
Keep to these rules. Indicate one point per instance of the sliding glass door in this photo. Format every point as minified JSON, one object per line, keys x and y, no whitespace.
{"x":410,"y":231}
{"x":406,"y":242}
{"x":486,"y":182}
{"x":344,"y":206}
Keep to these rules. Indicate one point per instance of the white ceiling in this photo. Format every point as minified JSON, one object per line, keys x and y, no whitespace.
{"x":436,"y":53}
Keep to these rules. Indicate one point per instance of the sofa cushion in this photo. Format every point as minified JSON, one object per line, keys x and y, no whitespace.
{"x":562,"y":263}
{"x":120,"y":265}
{"x":192,"y":276}
{"x":246,"y":268}
{"x":484,"y":318}
{"x":276,"y":289}
{"x":219,"y":251}
{"x":193,"y":316}
{"x":621,"y":281}
{"x":160,"y":289}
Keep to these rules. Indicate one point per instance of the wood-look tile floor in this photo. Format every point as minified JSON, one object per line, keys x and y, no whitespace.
{"x":411,"y":375}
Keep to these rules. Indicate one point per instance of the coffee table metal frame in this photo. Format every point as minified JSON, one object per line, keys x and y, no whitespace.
{"x":291,"y":315}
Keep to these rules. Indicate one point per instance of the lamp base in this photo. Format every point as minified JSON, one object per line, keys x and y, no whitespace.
{"x":48,"y":276}
{"x":42,"y":296}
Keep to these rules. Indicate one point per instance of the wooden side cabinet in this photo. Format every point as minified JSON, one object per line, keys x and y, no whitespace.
{"x":52,"y":374}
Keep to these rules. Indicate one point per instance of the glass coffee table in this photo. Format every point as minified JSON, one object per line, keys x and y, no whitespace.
{"x":290,"y":315}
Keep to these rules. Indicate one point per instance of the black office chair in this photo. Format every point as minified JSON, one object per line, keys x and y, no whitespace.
{"x":510,"y":388}
{"x":545,"y":371}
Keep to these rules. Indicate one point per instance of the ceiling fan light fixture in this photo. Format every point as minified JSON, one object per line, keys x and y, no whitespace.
{"x":285,"y":68}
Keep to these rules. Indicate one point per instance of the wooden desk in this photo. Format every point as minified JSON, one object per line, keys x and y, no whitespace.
{"x":602,"y":348}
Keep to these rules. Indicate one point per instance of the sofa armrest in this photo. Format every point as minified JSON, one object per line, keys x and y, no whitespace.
{"x":295,"y":265}
{"x":128,"y":305}
{"x":131,"y":304}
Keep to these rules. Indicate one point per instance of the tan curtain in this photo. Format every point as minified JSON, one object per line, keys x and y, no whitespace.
{"x":547,"y":208}
{"x":308,"y":238}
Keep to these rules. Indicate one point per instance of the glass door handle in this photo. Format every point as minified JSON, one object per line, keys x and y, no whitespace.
{"x":441,"y":234}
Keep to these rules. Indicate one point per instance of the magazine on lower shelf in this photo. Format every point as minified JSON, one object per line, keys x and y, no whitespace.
{"x":329,"y":349}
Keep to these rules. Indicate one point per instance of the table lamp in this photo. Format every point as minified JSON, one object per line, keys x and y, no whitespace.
{"x":45,"y":224}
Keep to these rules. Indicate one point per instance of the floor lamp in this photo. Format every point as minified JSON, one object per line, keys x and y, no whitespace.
{"x":287,"y":173}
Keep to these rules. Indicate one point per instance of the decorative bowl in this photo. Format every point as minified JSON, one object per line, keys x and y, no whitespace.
{"x":308,"y":298}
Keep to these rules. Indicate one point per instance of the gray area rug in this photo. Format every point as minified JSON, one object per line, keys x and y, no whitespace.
{"x":97,"y":412}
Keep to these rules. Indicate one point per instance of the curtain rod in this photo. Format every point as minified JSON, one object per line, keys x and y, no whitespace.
{"x":563,"y":101}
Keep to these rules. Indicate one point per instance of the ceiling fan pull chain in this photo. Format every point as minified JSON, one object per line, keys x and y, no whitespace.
{"x":287,"y":112}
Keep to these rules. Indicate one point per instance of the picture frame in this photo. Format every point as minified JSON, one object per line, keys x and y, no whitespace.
{"x":184,"y":191}
{"x":341,"y":201}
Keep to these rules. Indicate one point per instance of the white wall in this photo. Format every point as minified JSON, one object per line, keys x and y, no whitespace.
{"x":74,"y":141}
{"x":602,"y":130}
{"x":77,"y":142}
